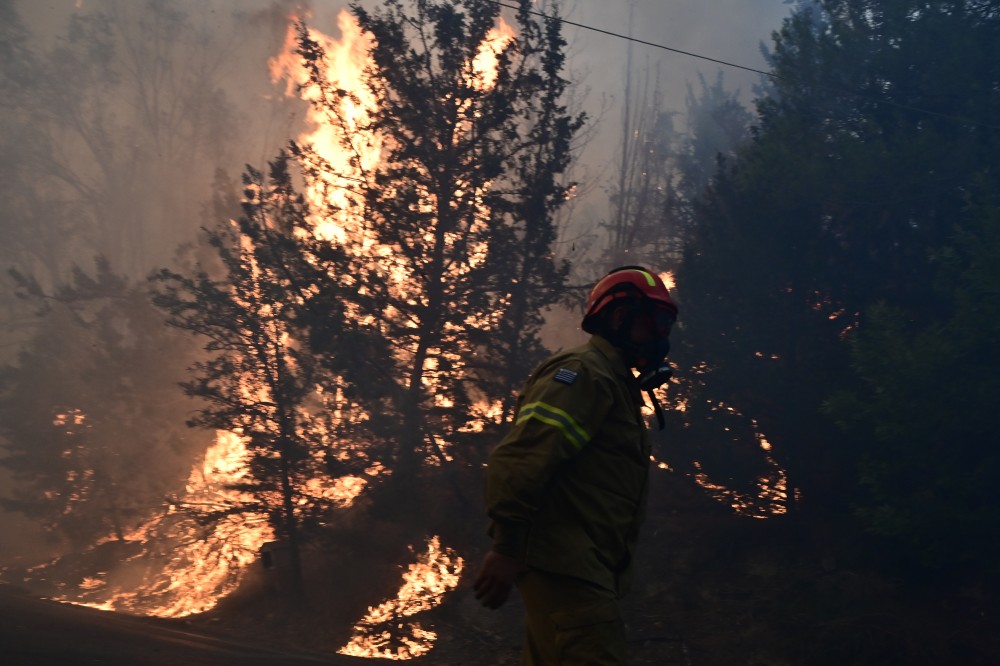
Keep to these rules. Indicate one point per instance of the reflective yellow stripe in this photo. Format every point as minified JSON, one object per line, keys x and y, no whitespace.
{"x":554,"y":416}
{"x":649,"y":278}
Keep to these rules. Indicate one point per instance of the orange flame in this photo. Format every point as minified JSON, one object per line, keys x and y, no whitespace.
{"x":198,"y":573}
{"x":772,"y":487}
{"x":352,"y":153}
{"x":337,"y":137}
{"x":435,"y":573}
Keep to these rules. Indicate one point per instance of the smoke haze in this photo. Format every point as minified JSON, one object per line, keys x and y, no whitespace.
{"x":149,"y":195}
{"x":127,"y":118}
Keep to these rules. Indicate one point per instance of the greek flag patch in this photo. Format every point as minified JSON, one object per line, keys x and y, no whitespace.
{"x":566,"y":376}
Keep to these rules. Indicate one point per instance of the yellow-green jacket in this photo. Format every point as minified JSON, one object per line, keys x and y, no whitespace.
{"x":566,"y":488}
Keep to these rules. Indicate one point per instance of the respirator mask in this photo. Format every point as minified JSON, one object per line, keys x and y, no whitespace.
{"x":651,"y":357}
{"x":656,"y":376}
{"x":654,"y":371}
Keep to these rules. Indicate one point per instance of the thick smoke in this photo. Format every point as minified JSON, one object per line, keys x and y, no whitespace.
{"x":124,"y":121}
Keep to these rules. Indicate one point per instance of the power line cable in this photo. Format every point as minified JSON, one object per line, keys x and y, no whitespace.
{"x":770,"y":75}
{"x":619,"y":35}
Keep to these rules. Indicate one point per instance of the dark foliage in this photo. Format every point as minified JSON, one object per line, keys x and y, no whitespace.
{"x":258,"y":381}
{"x":834,"y":224}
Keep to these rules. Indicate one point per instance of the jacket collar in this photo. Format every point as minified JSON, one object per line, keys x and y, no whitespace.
{"x":615,"y":356}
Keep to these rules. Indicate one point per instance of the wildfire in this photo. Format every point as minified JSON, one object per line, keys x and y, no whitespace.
{"x":338,"y":136}
{"x":351,"y":152}
{"x":180,"y":570}
{"x":772,"y":487}
{"x":383,"y":633}
{"x":184,"y":568}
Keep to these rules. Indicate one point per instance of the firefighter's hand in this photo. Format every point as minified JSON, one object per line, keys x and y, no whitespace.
{"x":495,"y":580}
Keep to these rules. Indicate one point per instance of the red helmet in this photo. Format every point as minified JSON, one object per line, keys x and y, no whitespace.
{"x":626,"y":282}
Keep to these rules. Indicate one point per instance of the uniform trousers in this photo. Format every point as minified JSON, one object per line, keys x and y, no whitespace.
{"x":570,"y":622}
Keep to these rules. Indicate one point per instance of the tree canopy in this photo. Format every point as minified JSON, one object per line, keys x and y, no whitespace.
{"x":815,"y":266}
{"x":448,"y":235}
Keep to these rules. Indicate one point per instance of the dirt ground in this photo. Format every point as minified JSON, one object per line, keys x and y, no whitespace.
{"x":712,"y":590}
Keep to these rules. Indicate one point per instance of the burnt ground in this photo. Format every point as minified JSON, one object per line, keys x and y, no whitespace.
{"x":712,"y":590}
{"x":36,"y":632}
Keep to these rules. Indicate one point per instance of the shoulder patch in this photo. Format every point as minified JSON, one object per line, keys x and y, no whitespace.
{"x":566,"y":376}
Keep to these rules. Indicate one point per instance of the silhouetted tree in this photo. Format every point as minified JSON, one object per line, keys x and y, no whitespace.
{"x":926,"y":409}
{"x":109,"y":133}
{"x":31,"y":223}
{"x":258,"y":381}
{"x":717,"y":126}
{"x":663,"y":168}
{"x":449,"y":235}
{"x":642,"y":179}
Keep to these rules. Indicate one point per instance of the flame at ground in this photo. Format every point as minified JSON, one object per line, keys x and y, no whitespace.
{"x":383,"y":632}
{"x":771,"y":498}
{"x":180,"y":567}
{"x":186,"y":571}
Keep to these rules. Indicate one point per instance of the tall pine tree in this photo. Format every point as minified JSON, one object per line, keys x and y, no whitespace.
{"x":259,"y":381}
{"x":449,"y":236}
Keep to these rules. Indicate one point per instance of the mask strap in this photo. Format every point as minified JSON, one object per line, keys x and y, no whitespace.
{"x":660,"y":420}
{"x":652,"y":380}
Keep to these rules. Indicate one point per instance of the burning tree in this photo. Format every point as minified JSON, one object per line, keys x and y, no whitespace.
{"x":371,"y":326}
{"x":441,"y":186}
{"x":258,"y":381}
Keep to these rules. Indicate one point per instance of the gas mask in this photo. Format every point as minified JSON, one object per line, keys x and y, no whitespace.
{"x":652,"y":364}
{"x":655,"y":377}
{"x":651,"y":358}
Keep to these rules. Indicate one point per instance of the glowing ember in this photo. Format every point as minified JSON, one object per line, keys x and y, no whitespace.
{"x":383,"y":633}
{"x":772,"y":488}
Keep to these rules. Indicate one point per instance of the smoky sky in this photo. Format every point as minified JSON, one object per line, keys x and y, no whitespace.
{"x":250,"y":32}
{"x":243,"y":35}
{"x":728,"y":30}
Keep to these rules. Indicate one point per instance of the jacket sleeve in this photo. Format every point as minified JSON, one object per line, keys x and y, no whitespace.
{"x":558,"y":413}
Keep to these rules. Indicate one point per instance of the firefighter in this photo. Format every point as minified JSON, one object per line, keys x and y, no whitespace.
{"x":566,"y":488}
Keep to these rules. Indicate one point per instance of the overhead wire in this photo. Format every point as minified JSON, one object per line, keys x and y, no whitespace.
{"x":770,"y":75}
{"x":619,"y":35}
